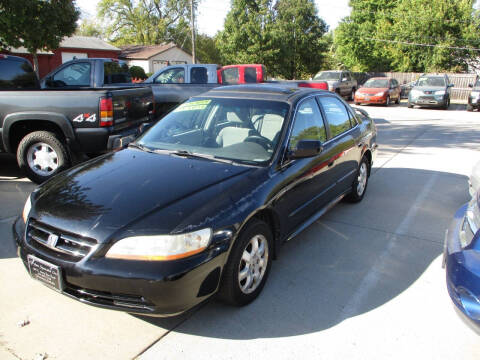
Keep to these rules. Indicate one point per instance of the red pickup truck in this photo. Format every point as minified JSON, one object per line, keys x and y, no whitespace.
{"x":256,"y":73}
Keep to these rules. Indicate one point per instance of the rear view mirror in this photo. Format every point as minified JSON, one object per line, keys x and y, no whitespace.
{"x":451,"y":85}
{"x":470,"y":85}
{"x":306,"y":149}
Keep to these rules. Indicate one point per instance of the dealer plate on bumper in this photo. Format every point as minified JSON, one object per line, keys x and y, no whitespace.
{"x":49,"y":274}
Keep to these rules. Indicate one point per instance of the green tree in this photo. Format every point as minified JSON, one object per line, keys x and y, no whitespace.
{"x":354,"y":47}
{"x":285,"y":35}
{"x":36,"y":24}
{"x":90,"y":28}
{"x":300,"y":36}
{"x":248,"y":35}
{"x":446,"y":24}
{"x":146,"y":22}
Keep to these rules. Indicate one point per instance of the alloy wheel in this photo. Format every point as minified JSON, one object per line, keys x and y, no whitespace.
{"x":362,"y":179}
{"x":253,"y":264}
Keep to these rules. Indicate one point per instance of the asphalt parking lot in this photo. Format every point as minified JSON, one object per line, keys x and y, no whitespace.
{"x":363,"y":282}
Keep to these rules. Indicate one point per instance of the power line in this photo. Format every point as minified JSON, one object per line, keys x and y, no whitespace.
{"x":424,"y":45}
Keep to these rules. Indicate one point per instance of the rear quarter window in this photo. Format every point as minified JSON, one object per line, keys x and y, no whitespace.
{"x":17,"y":75}
{"x":116,"y":73}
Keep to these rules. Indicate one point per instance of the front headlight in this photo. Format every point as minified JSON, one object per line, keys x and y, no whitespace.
{"x":26,"y":209}
{"x":161,"y":247}
{"x":440,"y":93}
{"x":382,"y":93}
{"x":415,"y":93}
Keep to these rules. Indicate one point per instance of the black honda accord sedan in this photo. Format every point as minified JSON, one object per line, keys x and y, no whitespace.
{"x":200,"y":202}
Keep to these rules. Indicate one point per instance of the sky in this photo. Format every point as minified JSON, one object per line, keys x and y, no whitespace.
{"x":211,"y":13}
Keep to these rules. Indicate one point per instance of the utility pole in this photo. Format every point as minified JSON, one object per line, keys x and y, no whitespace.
{"x":192,"y":19}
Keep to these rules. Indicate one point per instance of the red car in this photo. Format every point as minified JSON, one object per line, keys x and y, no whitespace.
{"x":242,"y":74}
{"x":380,"y":90}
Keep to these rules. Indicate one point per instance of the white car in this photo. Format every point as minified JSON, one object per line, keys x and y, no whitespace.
{"x":474,"y":181}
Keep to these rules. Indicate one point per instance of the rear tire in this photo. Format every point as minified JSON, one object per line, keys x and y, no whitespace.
{"x":398,"y":100}
{"x":387,"y":102}
{"x":410,"y":106}
{"x":352,"y":95}
{"x":238,"y":272}
{"x":359,"y":186}
{"x":41,"y":155}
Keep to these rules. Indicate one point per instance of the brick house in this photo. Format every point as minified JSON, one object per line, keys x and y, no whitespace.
{"x":72,"y":47}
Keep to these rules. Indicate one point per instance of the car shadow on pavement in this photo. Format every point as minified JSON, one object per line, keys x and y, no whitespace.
{"x":354,"y":259}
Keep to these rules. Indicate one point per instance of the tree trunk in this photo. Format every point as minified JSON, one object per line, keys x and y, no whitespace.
{"x":35,"y":64}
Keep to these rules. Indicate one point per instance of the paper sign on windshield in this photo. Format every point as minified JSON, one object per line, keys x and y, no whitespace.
{"x":194,"y":105}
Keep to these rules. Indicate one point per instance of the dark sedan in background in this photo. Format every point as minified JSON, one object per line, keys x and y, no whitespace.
{"x":200,"y":202}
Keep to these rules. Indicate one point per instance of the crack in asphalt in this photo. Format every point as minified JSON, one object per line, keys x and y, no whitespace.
{"x":383,"y":231}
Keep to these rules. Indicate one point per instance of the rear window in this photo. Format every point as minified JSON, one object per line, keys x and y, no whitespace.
{"x":17,"y":75}
{"x":116,"y":73}
{"x":230,"y":76}
{"x":198,"y":75}
{"x":250,"y":75}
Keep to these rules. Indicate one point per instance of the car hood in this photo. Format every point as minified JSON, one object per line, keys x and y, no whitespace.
{"x":429,"y":88}
{"x":104,"y":195}
{"x":371,"y":90}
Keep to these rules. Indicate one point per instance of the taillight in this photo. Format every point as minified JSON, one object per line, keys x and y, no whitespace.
{"x":3,"y":56}
{"x":106,"y":111}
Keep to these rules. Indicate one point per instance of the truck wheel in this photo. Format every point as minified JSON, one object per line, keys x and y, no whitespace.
{"x":469,"y":108}
{"x":40,"y":155}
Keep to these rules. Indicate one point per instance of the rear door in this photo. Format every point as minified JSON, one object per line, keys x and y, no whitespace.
{"x":344,"y":141}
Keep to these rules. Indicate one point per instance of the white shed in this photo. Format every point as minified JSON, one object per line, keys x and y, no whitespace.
{"x":154,"y":57}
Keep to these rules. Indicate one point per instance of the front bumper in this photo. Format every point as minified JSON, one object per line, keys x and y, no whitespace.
{"x":142,"y":287}
{"x":428,"y":101}
{"x":462,"y":271}
{"x":367,"y":99}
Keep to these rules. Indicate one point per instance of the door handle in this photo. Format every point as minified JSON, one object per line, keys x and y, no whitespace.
{"x":360,"y":144}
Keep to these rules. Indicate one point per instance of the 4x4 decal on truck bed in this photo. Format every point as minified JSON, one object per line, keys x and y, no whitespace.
{"x":85,"y":117}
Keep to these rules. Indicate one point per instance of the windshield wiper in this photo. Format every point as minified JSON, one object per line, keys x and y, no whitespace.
{"x":139,"y":147}
{"x":189,"y":154}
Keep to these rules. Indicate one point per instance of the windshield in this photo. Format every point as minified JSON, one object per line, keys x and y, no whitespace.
{"x":327,"y":75}
{"x":241,"y":130}
{"x":431,"y":81}
{"x":376,"y":83}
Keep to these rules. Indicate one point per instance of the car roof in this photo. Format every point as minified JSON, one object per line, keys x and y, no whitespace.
{"x":380,"y":78}
{"x":265,"y":91}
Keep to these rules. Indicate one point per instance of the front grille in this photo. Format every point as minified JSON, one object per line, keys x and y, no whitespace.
{"x":119,"y":301}
{"x":59,"y":241}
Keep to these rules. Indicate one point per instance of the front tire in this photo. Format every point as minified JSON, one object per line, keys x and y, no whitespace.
{"x":247,"y":269}
{"x":447,"y":104}
{"x":469,"y":108}
{"x":41,"y":155}
{"x":352,"y":95}
{"x":359,"y":186}
{"x":387,"y":102}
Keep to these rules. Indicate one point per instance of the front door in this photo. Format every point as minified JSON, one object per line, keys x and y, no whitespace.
{"x":307,"y":182}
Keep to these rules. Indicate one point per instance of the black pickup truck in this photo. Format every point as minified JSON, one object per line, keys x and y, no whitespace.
{"x":85,"y":107}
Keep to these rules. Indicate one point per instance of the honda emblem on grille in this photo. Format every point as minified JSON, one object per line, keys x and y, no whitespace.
{"x":52,"y":240}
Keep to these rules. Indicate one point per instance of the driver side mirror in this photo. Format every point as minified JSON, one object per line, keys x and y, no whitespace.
{"x":306,"y":149}
{"x":144,"y":127}
{"x":451,"y":85}
{"x":470,"y":85}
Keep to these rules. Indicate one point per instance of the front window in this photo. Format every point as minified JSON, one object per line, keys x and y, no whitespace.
{"x":431,"y":81}
{"x":171,"y":76}
{"x":328,"y":75}
{"x":240,"y":130}
{"x":308,"y":124}
{"x":77,"y":74}
{"x":376,"y":83}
